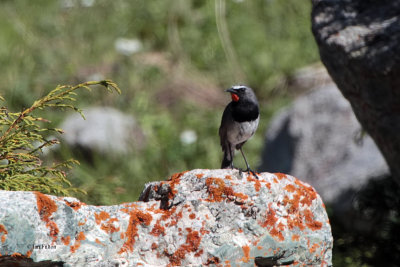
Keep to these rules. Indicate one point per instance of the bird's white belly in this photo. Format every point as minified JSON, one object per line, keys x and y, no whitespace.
{"x":239,"y":132}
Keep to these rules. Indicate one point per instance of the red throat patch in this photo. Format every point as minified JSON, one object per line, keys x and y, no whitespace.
{"x":235,"y":97}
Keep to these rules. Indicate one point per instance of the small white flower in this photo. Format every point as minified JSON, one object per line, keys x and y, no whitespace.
{"x":127,"y":47}
{"x":67,"y":3}
{"x":188,"y":137}
{"x":87,"y":3}
{"x":96,"y":77}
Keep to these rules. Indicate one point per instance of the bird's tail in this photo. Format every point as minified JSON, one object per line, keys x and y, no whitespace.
{"x":227,"y":160}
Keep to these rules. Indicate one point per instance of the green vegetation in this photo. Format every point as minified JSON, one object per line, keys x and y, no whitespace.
{"x":22,"y":138}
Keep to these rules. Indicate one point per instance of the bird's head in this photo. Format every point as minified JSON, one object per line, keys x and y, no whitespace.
{"x":241,"y":92}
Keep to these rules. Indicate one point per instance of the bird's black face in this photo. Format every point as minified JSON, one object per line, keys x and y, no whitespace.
{"x":239,"y":92}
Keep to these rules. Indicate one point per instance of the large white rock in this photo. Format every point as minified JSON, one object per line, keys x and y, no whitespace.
{"x":104,"y":130}
{"x":194,"y":218}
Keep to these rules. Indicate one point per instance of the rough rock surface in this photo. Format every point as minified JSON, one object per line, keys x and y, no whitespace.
{"x":104,"y":130}
{"x":201,"y":217}
{"x":316,"y":139}
{"x":359,"y":43}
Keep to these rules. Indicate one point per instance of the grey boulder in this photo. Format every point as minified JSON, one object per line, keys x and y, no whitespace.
{"x":318,"y":139}
{"x":104,"y":130}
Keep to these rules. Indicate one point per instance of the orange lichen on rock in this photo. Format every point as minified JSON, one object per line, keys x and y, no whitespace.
{"x":290,"y":188}
{"x":29,"y":253}
{"x":218,"y":190}
{"x":154,"y":246}
{"x":136,"y":217}
{"x":74,"y":247}
{"x":204,"y":231}
{"x":81,"y":236}
{"x":314,"y":248}
{"x":192,"y":244}
{"x":174,"y":180}
{"x":267,"y":184}
{"x":66,"y":240}
{"x":101,"y":216}
{"x":302,"y":196}
{"x":276,"y":233}
{"x":174,"y":218}
{"x":213,"y":260}
{"x":227,"y":263}
{"x":53,"y":230}
{"x":280,"y":175}
{"x":109,"y":226}
{"x":241,"y":196}
{"x":169,"y":214}
{"x":176,"y":177}
{"x":308,"y":194}
{"x":296,"y":221}
{"x":75,"y":205}
{"x":314,"y":225}
{"x":98,"y":241}
{"x":3,"y":233}
{"x":246,"y":252}
{"x":295,"y":237}
{"x":46,"y":207}
{"x":271,"y":218}
{"x":257,"y":183}
{"x":199,"y":253}
{"x":192,"y":216}
{"x":199,"y":175}
{"x":158,"y":229}
{"x":125,"y":210}
{"x":271,"y":224}
{"x":3,"y":229}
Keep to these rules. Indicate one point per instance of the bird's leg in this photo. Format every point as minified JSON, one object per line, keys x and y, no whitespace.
{"x":248,"y":170}
{"x":231,"y":154}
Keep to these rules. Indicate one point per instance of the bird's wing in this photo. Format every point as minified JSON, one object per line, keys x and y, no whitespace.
{"x":223,"y":129}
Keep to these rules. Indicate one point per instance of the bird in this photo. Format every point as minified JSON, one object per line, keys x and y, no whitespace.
{"x":239,"y":122}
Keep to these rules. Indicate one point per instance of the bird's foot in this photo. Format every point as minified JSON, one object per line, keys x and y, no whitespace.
{"x":234,"y":168}
{"x":250,"y":171}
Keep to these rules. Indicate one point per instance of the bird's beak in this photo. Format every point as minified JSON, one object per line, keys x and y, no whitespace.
{"x":230,"y":90}
{"x":235,"y":97}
